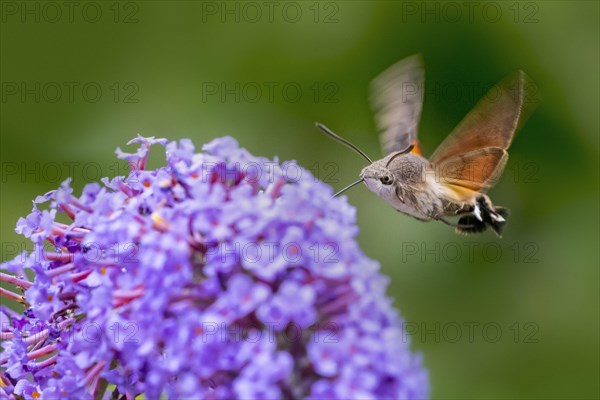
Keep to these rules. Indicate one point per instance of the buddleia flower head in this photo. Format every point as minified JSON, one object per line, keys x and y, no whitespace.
{"x":220,"y":275}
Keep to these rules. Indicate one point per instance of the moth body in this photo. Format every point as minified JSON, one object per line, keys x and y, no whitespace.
{"x":408,"y":184}
{"x":454,"y":180}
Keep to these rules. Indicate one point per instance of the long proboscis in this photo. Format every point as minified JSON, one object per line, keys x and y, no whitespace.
{"x":345,"y":142}
{"x":348,"y":187}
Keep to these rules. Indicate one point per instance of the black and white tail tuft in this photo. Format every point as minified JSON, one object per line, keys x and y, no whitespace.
{"x":484,"y":215}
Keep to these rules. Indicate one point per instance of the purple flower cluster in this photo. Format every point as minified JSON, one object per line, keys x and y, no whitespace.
{"x":217,"y":276}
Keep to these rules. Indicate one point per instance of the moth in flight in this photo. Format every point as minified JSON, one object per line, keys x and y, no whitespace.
{"x":454,"y":180}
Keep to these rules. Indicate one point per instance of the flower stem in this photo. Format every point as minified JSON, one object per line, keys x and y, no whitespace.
{"x":23,"y":283}
{"x":11,"y":295}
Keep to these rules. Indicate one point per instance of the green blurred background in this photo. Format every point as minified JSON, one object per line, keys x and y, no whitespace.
{"x":494,"y":318}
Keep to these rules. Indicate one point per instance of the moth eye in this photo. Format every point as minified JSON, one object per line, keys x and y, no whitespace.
{"x":386,"y":180}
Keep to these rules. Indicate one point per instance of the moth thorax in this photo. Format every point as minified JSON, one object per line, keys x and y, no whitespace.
{"x":409,"y":169}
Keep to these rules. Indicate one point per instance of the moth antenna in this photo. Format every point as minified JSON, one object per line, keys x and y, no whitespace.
{"x":348,"y":187}
{"x":342,"y":140}
{"x":406,"y":150}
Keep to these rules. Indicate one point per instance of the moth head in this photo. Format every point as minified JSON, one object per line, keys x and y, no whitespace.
{"x":397,"y":169}
{"x":378,"y":178}
{"x":377,"y":172}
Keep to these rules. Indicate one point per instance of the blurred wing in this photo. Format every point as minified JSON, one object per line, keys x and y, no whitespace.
{"x":474,"y":154}
{"x":397,"y":99}
{"x":493,"y":121}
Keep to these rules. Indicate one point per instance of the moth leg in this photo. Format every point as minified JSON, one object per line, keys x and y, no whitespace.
{"x":400,"y":193}
{"x":462,"y":211}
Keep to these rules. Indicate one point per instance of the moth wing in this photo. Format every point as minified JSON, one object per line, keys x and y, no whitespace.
{"x":472,"y":158}
{"x":493,"y":121}
{"x":397,"y":99}
{"x":469,"y":174}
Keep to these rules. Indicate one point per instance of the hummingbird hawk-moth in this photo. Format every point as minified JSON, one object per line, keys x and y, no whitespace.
{"x":453,"y":181}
